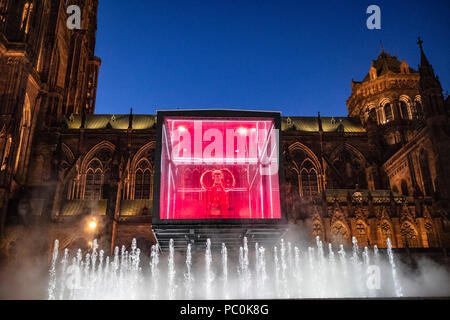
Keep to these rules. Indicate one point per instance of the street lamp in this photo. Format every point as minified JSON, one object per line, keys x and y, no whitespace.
{"x":92,"y":225}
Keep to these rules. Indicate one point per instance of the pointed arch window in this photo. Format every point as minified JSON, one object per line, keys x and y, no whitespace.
{"x":26,"y":15}
{"x":386,"y":233}
{"x":361,"y":234}
{"x":405,"y":110}
{"x":409,"y":236}
{"x":388,"y":115}
{"x":308,"y":178}
{"x":94,"y":180}
{"x":317,"y":229}
{"x":339,"y":233}
{"x":143,"y":181}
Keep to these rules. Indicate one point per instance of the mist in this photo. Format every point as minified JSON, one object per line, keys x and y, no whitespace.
{"x":295,"y":269}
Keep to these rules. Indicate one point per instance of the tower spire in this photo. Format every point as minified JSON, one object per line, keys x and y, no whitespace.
{"x":423,"y":58}
{"x":130,"y":119}
{"x":319,"y":119}
{"x":427,"y":76}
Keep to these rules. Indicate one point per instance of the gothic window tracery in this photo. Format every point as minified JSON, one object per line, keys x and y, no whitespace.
{"x":308,"y":180}
{"x":350,"y":169}
{"x":317,"y":229}
{"x":361,"y":234}
{"x":410,"y":236}
{"x":139,"y":185}
{"x":94,"y":180}
{"x":340,"y":233}
{"x":306,"y":174}
{"x":386,"y":233}
{"x":142,"y":185}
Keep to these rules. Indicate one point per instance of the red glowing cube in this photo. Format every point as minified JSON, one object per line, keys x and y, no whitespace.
{"x":219,"y":168}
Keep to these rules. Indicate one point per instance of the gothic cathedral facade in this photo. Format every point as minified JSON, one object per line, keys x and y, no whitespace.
{"x":382,"y":172}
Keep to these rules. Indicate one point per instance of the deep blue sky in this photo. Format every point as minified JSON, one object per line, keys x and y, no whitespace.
{"x":294,"y":56}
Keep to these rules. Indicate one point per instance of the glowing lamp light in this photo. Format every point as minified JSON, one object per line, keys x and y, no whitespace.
{"x":92,"y":224}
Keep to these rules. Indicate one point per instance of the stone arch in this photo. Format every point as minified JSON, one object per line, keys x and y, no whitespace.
{"x":142,"y":173}
{"x":308,"y":171}
{"x":353,"y":149}
{"x":405,"y":107}
{"x":417,"y":107}
{"x":68,"y":153}
{"x":318,"y":228}
{"x":142,"y":177}
{"x":387,"y":112}
{"x":98,"y":147}
{"x":365,"y":112}
{"x":362,"y":233}
{"x":141,"y":152}
{"x":95,"y":154}
{"x":309,"y":153}
{"x":385,"y":232}
{"x":349,"y":166}
{"x":410,"y":235}
{"x":308,"y":182}
{"x":340,"y":233}
{"x":94,"y":177}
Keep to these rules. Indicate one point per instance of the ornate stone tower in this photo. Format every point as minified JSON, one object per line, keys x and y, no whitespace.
{"x":389,"y":102}
{"x":46,"y":72}
{"x":83,"y":64}
{"x":437,"y":123}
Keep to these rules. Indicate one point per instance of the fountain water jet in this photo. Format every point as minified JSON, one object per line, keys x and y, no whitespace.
{"x":297,"y":273}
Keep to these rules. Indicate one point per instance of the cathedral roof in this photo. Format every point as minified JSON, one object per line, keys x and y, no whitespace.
{"x":72,"y":208}
{"x":386,"y":63}
{"x":117,"y":122}
{"x":329,"y":124}
{"x":142,"y":122}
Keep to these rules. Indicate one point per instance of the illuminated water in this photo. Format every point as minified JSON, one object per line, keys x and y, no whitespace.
{"x":284,"y":271}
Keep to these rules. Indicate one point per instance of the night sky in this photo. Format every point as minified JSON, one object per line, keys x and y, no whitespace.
{"x":297,"y":57}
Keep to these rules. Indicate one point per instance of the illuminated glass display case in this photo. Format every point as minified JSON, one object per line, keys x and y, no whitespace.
{"x":217,"y":167}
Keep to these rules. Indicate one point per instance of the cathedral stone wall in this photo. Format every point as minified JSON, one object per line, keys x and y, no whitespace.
{"x":382,"y":172}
